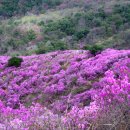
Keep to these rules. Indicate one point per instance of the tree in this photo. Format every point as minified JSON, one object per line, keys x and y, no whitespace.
{"x":9,"y":7}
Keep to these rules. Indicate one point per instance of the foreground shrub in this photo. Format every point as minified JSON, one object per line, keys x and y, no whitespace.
{"x":15,"y":61}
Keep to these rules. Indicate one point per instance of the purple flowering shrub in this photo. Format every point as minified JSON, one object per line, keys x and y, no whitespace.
{"x":66,"y":90}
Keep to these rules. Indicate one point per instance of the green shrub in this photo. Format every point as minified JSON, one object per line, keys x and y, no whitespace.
{"x":16,"y":33}
{"x":15,"y":43}
{"x":41,"y":23}
{"x":11,"y":43}
{"x":89,"y":16}
{"x":81,"y":34}
{"x":52,"y":26}
{"x":52,"y":3}
{"x":42,"y":11}
{"x":1,"y":30}
{"x":52,"y":46}
{"x":42,"y":49}
{"x":94,"y":49}
{"x":31,"y":35}
{"x":11,"y":21}
{"x":117,"y":19}
{"x":97,"y":22}
{"x":15,"y":61}
{"x":109,"y":31}
{"x":66,"y":25}
{"x":59,"y":45}
{"x":101,"y":13}
{"x":123,"y":10}
{"x":3,"y":50}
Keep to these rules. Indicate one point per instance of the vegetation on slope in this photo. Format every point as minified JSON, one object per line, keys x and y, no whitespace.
{"x":66,"y":90}
{"x":68,"y":28}
{"x":9,"y":8}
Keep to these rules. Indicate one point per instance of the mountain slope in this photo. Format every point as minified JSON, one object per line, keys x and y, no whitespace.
{"x":69,"y":83}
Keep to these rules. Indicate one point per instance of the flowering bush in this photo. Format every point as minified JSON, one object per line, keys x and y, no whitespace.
{"x":66,"y":90}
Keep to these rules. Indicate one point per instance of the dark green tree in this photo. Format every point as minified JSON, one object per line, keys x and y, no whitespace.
{"x":9,"y":7}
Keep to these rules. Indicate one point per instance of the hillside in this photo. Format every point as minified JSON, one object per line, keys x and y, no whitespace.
{"x":67,"y":25}
{"x":64,"y":64}
{"x":21,"y":7}
{"x":75,"y":90}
